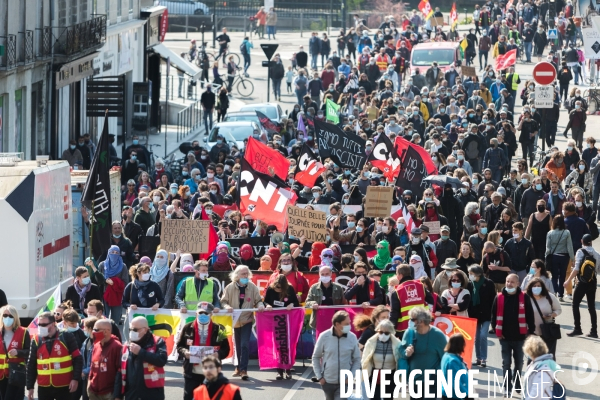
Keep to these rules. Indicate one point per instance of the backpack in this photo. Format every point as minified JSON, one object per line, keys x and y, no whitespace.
{"x":472,"y":150}
{"x":587,"y":270}
{"x":243,"y":48}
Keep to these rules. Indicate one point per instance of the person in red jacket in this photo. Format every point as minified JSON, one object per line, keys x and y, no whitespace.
{"x":296,"y":279}
{"x":105,"y":362}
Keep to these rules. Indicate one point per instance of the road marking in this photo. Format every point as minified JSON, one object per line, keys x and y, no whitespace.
{"x":299,"y":382}
{"x":544,"y":73}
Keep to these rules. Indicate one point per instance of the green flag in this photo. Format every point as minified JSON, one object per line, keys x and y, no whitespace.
{"x":50,"y":305}
{"x":332,"y":111}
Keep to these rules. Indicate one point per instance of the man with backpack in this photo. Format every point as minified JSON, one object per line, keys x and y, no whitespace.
{"x":245,"y":51}
{"x":587,"y":261}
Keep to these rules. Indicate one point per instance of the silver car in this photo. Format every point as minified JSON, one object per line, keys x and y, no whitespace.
{"x":233,"y":133}
{"x":271,"y":110}
{"x":184,"y":7}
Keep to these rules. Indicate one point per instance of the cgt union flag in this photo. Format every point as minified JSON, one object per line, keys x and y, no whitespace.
{"x":506,"y":60}
{"x":277,"y":334}
{"x":308,"y":168}
{"x":425,"y":8}
{"x":264,"y":197}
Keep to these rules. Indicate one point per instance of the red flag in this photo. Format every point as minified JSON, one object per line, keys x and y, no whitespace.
{"x":261,"y":157}
{"x":213,"y":238}
{"x":264,"y":197}
{"x":506,"y":60}
{"x":222,"y":209}
{"x":402,"y":145}
{"x":425,"y":8}
{"x":385,"y":158}
{"x":308,"y":168}
{"x":453,"y":14}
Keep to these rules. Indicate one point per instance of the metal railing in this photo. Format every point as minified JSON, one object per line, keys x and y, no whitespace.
{"x":188,"y":120}
{"x":9,"y":59}
{"x":73,"y":40}
{"x":28,"y":56}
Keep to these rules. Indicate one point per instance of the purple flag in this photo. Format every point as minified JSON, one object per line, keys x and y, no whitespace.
{"x":301,"y":126}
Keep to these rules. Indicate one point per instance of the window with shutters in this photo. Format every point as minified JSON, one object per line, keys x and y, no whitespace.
{"x":62,"y":13}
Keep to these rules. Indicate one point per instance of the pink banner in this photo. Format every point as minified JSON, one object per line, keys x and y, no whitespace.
{"x":278,"y":332}
{"x":325,"y":315}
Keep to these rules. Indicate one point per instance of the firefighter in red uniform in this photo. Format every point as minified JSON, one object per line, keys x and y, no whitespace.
{"x":216,"y":386}
{"x":54,"y":361}
{"x":143,"y":360}
{"x":14,"y":350}
{"x":407,"y":295}
{"x":363,"y":290}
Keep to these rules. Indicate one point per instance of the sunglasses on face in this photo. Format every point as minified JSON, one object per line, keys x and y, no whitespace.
{"x":7,"y":316}
{"x":327,"y":256}
{"x":135,"y":329}
{"x":45,"y":325}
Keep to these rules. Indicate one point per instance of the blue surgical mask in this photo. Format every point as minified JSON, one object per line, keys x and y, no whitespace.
{"x":351,"y":224}
{"x":70,"y":329}
{"x":133,"y":158}
{"x":316,"y":195}
{"x":483,"y":230}
{"x":461,"y":157}
{"x":117,"y":236}
{"x":531,"y":271}
{"x":173,"y":192}
{"x":135,"y":141}
{"x":243,"y":281}
{"x":346,"y":329}
{"x":219,"y":141}
{"x":455,"y":285}
{"x":536,"y":290}
{"x":72,"y":147}
{"x":415,"y":113}
{"x":86,"y":281}
{"x":511,"y":290}
{"x":347,"y":172}
{"x":538,"y":186}
{"x":445,"y":237}
{"x":442,"y":110}
{"x":204,"y":319}
{"x":359,"y":229}
{"x":8,"y":321}
{"x":184,"y":173}
{"x":475,"y":181}
{"x":500,"y":240}
{"x":428,"y":199}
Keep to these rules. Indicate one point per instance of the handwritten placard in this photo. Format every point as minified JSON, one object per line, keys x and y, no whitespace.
{"x":468,"y":71}
{"x":308,"y":223}
{"x":189,"y":236}
{"x":378,"y":202}
{"x":434,"y":227}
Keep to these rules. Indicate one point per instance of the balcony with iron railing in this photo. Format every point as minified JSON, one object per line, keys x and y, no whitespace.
{"x":8,"y":52}
{"x":65,"y":44}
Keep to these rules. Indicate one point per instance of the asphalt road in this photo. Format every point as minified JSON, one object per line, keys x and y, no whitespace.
{"x":579,"y":357}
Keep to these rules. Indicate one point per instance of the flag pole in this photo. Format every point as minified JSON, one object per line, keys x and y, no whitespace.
{"x":92,"y":231}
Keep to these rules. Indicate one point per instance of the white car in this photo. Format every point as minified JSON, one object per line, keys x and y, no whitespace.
{"x":271,"y":110}
{"x":184,"y":7}
{"x":234,"y":133}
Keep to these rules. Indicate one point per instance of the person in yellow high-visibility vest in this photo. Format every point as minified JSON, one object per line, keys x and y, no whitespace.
{"x":198,"y":288}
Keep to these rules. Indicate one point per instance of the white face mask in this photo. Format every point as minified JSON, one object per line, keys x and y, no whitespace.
{"x":286,"y":267}
{"x":134,"y":336}
{"x":326,"y":279}
{"x":203,"y":276}
{"x":156,"y":199}
{"x":384,"y":337}
{"x":346,"y":329}
{"x":145,"y":277}
{"x":43,"y":331}
{"x":385,"y":229}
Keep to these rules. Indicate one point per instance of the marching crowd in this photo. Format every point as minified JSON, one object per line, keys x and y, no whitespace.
{"x":514,"y":245}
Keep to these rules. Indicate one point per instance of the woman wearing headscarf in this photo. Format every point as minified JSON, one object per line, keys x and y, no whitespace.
{"x":115,"y":275}
{"x":146,"y":260}
{"x":315,"y":255}
{"x":382,"y":260}
{"x":141,"y":292}
{"x":337,"y":256}
{"x":265,"y":263}
{"x":222,"y":262}
{"x":161,"y":274}
{"x":247,"y":257}
{"x":327,"y":257}
{"x":296,"y":279}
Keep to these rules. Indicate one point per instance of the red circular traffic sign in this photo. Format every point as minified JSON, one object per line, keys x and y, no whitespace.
{"x":544,"y":73}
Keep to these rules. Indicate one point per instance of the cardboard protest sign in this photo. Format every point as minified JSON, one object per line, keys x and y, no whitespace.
{"x":468,"y":71}
{"x":307,"y":223}
{"x":190,"y":236}
{"x":379,"y":201}
{"x":434,"y":227}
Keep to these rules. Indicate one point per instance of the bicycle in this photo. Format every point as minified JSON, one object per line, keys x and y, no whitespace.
{"x":539,"y":157}
{"x":236,"y":57}
{"x":244,"y":86}
{"x":201,"y":53}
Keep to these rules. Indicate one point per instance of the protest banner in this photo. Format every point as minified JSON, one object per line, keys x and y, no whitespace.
{"x":346,"y":149}
{"x":451,"y":324}
{"x":277,"y":334}
{"x":308,"y":223}
{"x":434,"y":227}
{"x":325,"y":315}
{"x":378,"y":202}
{"x":468,"y":71}
{"x":261,"y":158}
{"x":189,"y":236}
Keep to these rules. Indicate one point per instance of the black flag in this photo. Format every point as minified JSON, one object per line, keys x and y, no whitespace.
{"x":384,"y":157}
{"x":346,"y":149}
{"x":96,"y":196}
{"x":308,"y":168}
{"x":412,"y":172}
{"x":269,"y":126}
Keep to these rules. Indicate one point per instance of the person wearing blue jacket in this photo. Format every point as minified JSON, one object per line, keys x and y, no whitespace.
{"x":496,"y":88}
{"x":452,"y":361}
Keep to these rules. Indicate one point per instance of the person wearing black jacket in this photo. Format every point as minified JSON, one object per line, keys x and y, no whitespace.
{"x":357,"y":291}
{"x":85,"y":151}
{"x":453,"y":210}
{"x":483,"y":294}
{"x":277,"y":72}
{"x":520,"y":251}
{"x":50,"y":337}
{"x":388,"y":233}
{"x":82,"y":291}
{"x":200,"y":332}
{"x":141,"y":341}
{"x":509,"y":319}
{"x":564,"y":78}
{"x":133,"y":231}
{"x":208,"y":101}
{"x":529,"y":129}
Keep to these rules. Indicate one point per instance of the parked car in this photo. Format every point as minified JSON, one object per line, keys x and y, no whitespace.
{"x":271,"y":110}
{"x":241,"y":116}
{"x":233,"y":132}
{"x":184,"y":7}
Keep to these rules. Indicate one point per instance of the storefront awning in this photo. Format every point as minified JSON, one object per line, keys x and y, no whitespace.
{"x":183,"y":65}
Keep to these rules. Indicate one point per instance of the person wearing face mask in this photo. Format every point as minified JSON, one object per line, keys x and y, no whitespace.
{"x":448,"y":268}
{"x":420,"y":248}
{"x":546,"y":308}
{"x":86,"y":351}
{"x":455,"y":299}
{"x":577,"y":123}
{"x":431,"y":214}
{"x":388,"y":234}
{"x":465,"y":196}
{"x":529,"y":199}
{"x":141,"y":291}
{"x":145,"y":215}
{"x":363,"y":290}
{"x":513,"y":318}
{"x":520,"y":251}
{"x":161,"y":274}
{"x":103,"y":359}
{"x":142,"y":364}
{"x":82,"y":291}
{"x":381,"y":352}
{"x":198,"y":288}
{"x":336,"y":349}
{"x":453,"y":211}
{"x":285,"y":266}
{"x":326,"y":292}
{"x":113,"y":272}
{"x":72,"y":154}
{"x":202,"y":331}
{"x":14,"y":351}
{"x":52,"y":348}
